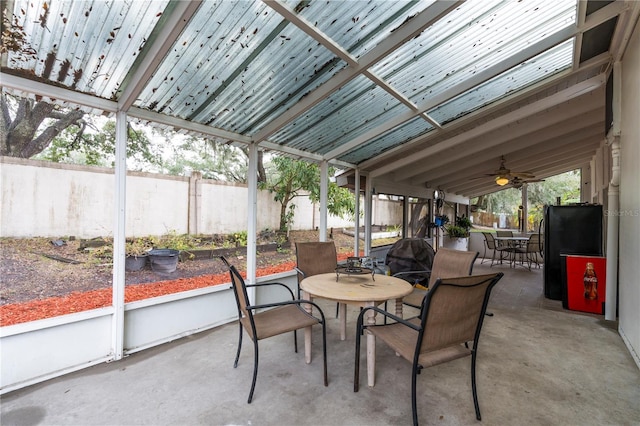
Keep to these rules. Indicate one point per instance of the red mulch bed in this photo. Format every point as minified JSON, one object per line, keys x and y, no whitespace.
{"x":84,"y":301}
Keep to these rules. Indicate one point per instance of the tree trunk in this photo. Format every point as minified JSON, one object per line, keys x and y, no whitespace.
{"x":283,"y":216}
{"x":18,"y":137}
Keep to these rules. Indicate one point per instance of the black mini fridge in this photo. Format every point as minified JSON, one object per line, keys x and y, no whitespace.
{"x":575,"y":229}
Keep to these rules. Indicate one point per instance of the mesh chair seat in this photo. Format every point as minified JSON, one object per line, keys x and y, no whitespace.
{"x":448,"y":328}
{"x":279,"y":320}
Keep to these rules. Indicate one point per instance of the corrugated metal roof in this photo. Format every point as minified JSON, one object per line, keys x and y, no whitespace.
{"x":347,"y":81}
{"x":89,"y":46}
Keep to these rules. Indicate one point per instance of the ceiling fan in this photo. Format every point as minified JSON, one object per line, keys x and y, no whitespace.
{"x":505,"y":176}
{"x":517,"y":182}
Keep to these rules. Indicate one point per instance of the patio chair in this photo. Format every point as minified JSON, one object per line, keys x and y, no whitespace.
{"x":272,"y":319}
{"x":504,"y":233}
{"x":450,"y":320}
{"x":491,"y":244}
{"x":447,"y":263}
{"x":315,"y":257}
{"x":530,"y":251}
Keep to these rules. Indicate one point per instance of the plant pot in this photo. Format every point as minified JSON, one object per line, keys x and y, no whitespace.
{"x":164,"y":261}
{"x":135,"y":263}
{"x":456,"y":243}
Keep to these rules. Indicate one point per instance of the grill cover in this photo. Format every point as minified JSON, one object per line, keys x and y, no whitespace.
{"x":411,"y":254}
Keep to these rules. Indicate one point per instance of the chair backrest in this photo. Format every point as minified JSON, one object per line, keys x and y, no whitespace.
{"x":489,"y":240}
{"x":315,"y":258}
{"x":240,"y":292}
{"x":452,"y":263}
{"x":504,"y":233}
{"x":534,"y":243}
{"x":453,"y":311}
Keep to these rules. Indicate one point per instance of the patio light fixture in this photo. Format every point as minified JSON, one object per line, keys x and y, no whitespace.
{"x":501,"y":180}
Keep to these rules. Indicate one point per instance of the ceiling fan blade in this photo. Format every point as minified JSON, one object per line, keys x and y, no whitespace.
{"x":523,"y":175}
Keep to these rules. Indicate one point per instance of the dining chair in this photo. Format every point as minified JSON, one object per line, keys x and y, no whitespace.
{"x":447,"y":328}
{"x":271,"y":319}
{"x":446,"y":263}
{"x":504,"y":233}
{"x":315,"y":257}
{"x":530,"y":250}
{"x":491,"y":244}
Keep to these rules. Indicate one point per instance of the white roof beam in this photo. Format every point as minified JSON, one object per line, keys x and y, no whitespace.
{"x":479,"y":78}
{"x":535,"y":131}
{"x":171,"y":30}
{"x":406,"y":32}
{"x":517,"y":151}
{"x":533,"y":163}
{"x":577,"y":47}
{"x":337,"y":50}
{"x":526,"y":111}
{"x":566,"y":166}
{"x":56,"y":93}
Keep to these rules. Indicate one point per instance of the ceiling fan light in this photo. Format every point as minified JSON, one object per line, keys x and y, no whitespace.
{"x":501,"y":180}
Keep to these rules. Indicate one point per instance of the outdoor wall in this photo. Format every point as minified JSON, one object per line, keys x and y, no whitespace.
{"x":40,"y":198}
{"x":629,"y":246}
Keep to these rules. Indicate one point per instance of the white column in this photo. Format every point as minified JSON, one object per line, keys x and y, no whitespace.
{"x":252,"y":184}
{"x":525,"y":210}
{"x":356,"y":193}
{"x":611,"y":249}
{"x":613,"y":203}
{"x":117,"y":328}
{"x":324,"y":191}
{"x":368,"y":200}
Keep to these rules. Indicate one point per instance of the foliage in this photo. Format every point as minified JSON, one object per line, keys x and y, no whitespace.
{"x":566,"y":186}
{"x":215,"y":160}
{"x":98,"y":149}
{"x":240,"y":238}
{"x":137,"y":247}
{"x":28,"y":126}
{"x":294,"y":178}
{"x":460,"y":229}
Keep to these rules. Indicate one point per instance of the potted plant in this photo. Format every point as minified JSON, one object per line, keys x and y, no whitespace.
{"x":136,"y":254}
{"x":457,"y":234}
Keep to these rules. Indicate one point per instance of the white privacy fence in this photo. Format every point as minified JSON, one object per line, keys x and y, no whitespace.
{"x":40,"y":198}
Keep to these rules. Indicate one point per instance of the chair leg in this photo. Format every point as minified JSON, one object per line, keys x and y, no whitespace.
{"x":235,"y":363}
{"x":473,"y":384}
{"x":324,"y":352}
{"x":484,"y":255}
{"x":255,"y":370}
{"x":295,"y":340}
{"x":356,"y":375}
{"x":414,"y":403}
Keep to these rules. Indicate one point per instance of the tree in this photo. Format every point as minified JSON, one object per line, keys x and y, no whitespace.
{"x":294,"y":178}
{"x":21,"y":136}
{"x":98,"y":148}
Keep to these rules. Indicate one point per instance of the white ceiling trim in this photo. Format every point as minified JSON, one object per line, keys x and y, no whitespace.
{"x":479,"y":78}
{"x":56,"y":93}
{"x":533,"y":163}
{"x":523,"y":112}
{"x":515,"y":150}
{"x":179,"y":123}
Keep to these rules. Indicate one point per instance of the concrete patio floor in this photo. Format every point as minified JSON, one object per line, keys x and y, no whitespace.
{"x":537,"y":364}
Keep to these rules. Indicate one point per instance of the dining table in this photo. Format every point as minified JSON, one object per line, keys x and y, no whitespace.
{"x":360,"y":289}
{"x":513,"y":243}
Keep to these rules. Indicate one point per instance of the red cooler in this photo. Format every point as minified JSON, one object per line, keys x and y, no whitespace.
{"x":586,"y":283}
